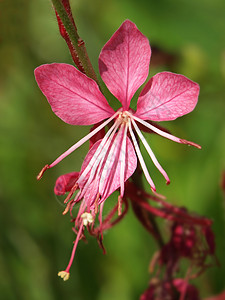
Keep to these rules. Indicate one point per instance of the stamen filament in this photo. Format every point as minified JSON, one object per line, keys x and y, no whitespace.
{"x":141,"y":160}
{"x":41,"y":173}
{"x":97,"y":159}
{"x":111,"y":174}
{"x":122,"y":162}
{"x":120,"y":200}
{"x":82,"y":141}
{"x":100,"y":218}
{"x":82,"y":208}
{"x":98,"y":154}
{"x":150,"y":152}
{"x":109,"y":162}
{"x":165,"y":134}
{"x":74,"y":248}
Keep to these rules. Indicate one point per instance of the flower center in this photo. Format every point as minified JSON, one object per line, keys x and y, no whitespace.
{"x":124,"y":117}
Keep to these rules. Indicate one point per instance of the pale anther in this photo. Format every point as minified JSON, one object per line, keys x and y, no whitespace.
{"x":87,"y":218}
{"x":64,"y":275}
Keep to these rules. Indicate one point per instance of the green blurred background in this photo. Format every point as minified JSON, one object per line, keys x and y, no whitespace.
{"x":188,"y":37}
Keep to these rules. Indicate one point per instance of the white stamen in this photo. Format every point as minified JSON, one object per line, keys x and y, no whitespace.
{"x":97,"y":159}
{"x":150,"y":152}
{"x":143,"y":165}
{"x":160,"y":132}
{"x":109,"y":162}
{"x":82,"y":141}
{"x":100,"y":169}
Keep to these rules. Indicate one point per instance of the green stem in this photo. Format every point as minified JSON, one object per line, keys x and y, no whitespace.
{"x":76,"y":41}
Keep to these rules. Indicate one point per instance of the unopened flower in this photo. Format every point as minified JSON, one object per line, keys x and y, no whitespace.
{"x":77,"y":100}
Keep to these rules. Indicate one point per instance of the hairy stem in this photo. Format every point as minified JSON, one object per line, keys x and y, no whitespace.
{"x":76,"y":41}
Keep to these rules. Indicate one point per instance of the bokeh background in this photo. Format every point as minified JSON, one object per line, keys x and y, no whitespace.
{"x":188,"y":37}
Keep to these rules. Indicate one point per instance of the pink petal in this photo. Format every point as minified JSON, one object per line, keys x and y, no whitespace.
{"x":92,"y":190}
{"x":166,"y":97}
{"x":112,"y":178}
{"x":124,"y":62}
{"x":74,"y":97}
{"x":65,"y":183}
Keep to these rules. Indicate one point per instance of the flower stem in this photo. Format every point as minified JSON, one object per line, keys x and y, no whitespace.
{"x":75,"y":40}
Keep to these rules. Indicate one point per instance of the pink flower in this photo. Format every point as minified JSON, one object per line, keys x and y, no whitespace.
{"x":77,"y":100}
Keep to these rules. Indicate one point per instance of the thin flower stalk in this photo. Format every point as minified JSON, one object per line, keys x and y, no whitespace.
{"x":75,"y":43}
